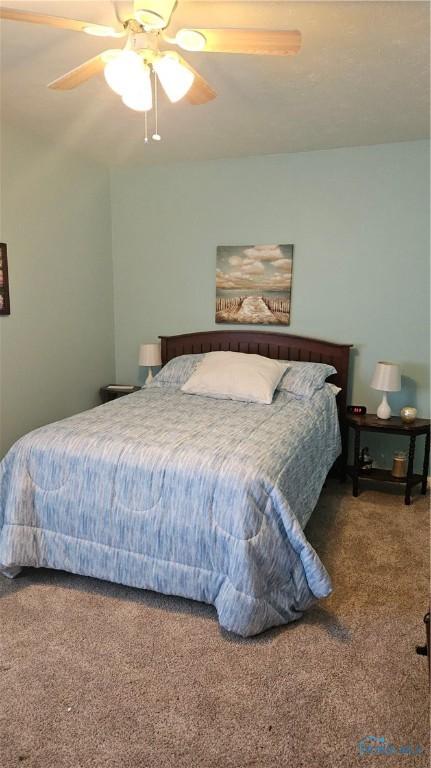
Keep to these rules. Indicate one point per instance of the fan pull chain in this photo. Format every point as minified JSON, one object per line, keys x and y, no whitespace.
{"x":156,"y":136}
{"x":146,"y":128}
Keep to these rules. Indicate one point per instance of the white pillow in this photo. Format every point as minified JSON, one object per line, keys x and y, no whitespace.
{"x":236,"y":376}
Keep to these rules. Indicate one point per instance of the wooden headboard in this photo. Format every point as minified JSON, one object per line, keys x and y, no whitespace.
{"x":279,"y":346}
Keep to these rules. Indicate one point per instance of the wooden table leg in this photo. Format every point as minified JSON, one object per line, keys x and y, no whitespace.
{"x":426,"y":464}
{"x":407,"y":497}
{"x":343,"y":458}
{"x":355,"y":483}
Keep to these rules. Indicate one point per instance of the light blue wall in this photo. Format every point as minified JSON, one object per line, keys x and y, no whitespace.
{"x":359,"y":220}
{"x":57,"y":346}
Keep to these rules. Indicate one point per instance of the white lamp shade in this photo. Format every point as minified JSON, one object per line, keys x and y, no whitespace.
{"x":149,"y":354}
{"x":386,"y":377}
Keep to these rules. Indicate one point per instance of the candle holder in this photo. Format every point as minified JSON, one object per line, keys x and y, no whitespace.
{"x":399,"y":465}
{"x":408,"y":414}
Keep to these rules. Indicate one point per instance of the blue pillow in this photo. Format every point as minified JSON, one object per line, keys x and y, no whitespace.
{"x":178,"y":370}
{"x":304,"y":379}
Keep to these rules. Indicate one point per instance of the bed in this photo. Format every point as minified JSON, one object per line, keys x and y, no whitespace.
{"x":184,"y":495}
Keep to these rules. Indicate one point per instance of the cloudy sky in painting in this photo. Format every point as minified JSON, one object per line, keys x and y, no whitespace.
{"x":254,"y":266}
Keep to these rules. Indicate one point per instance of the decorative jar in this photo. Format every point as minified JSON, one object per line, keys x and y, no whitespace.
{"x":408,"y":414}
{"x":399,"y":465}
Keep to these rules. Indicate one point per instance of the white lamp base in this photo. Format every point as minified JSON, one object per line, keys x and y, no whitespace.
{"x":384,"y":409}
{"x":150,"y":377}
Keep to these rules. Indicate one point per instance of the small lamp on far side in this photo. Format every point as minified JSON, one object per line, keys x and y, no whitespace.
{"x":149,"y":356}
{"x":386,"y":378}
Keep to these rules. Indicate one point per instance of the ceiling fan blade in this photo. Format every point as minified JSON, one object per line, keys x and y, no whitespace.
{"x":80,"y":74}
{"x":200,"y":92}
{"x":55,"y":21}
{"x":252,"y":41}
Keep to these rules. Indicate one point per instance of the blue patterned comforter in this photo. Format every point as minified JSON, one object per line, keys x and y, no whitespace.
{"x":180,"y":494}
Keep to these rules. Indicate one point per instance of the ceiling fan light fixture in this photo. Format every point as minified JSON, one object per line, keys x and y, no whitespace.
{"x":139,"y":95}
{"x":175,"y":78}
{"x":153,"y":14}
{"x":122,"y":70}
{"x":190,"y":40}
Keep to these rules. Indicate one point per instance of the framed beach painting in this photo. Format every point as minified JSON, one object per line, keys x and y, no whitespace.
{"x":4,"y":281}
{"x":254,"y":284}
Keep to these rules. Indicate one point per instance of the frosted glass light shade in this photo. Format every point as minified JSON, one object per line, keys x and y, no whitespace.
{"x":139,"y":95}
{"x":176,"y":79}
{"x":122,"y":70}
{"x":386,"y":377}
{"x":150,"y":354}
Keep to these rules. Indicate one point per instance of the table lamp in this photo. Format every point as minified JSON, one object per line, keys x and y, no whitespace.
{"x":386,"y":379}
{"x":149,"y":356}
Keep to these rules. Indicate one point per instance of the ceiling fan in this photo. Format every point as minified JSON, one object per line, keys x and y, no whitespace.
{"x":128,"y":70}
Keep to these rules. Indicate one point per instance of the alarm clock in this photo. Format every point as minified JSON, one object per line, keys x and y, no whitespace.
{"x":357,"y":410}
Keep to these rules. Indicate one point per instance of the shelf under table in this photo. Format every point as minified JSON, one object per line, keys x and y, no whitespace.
{"x":384,"y":476}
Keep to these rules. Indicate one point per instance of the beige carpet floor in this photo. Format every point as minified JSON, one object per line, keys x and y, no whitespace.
{"x":95,"y":675}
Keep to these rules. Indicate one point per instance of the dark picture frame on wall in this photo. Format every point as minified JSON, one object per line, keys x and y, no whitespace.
{"x":4,"y":281}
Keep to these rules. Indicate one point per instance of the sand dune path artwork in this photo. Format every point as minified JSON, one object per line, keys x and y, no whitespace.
{"x":254,"y":284}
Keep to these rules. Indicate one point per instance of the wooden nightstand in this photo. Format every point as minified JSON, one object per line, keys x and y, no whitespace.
{"x":112,"y":391}
{"x":394,"y":426}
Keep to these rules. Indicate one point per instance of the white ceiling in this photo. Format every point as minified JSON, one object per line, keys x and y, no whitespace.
{"x":362,"y":77}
